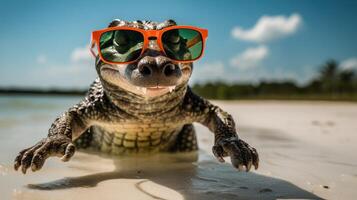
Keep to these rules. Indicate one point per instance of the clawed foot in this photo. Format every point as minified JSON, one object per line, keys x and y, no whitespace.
{"x":35,"y":156}
{"x":241,"y":154}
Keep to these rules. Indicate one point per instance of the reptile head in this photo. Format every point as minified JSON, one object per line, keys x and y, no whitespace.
{"x":153,"y":74}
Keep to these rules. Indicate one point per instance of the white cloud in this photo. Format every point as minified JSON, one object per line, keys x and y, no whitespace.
{"x":41,"y":59}
{"x":276,"y":74}
{"x":269,"y":28}
{"x":77,"y":72}
{"x":208,"y":72}
{"x":349,"y":64}
{"x":215,"y":71}
{"x":81,"y":54}
{"x":73,"y":75}
{"x":250,"y":58}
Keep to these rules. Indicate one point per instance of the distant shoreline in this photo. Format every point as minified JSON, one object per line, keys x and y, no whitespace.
{"x":81,"y":92}
{"x":45,"y":92}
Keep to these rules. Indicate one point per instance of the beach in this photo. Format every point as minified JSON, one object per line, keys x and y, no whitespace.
{"x":306,"y":151}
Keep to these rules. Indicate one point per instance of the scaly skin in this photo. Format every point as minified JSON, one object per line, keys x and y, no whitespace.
{"x":118,"y":120}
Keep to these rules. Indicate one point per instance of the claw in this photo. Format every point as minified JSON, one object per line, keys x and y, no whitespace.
{"x":70,"y":149}
{"x":249,"y":165}
{"x":18,"y":159}
{"x":17,"y":162}
{"x":37,"y":162}
{"x":255,"y":157}
{"x":26,"y":161}
{"x":243,"y":156}
{"x":256,"y":165}
{"x":24,"y":169}
{"x":218,"y":153}
{"x":220,"y":159}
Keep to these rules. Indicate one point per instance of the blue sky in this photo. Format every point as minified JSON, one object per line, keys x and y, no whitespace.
{"x":44,"y":42}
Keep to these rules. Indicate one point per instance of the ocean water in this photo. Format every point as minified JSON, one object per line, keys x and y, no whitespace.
{"x":25,"y":119}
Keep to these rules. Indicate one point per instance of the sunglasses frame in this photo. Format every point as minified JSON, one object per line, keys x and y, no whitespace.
{"x":96,"y":35}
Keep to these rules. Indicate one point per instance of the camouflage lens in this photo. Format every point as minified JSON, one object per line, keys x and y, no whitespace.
{"x":121,"y":45}
{"x":182,"y":44}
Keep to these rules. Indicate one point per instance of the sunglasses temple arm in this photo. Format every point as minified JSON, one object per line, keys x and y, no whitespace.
{"x":92,"y":46}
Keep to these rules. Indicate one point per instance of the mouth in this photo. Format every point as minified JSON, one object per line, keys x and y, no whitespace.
{"x":156,"y":89}
{"x":109,"y":67}
{"x":149,"y":90}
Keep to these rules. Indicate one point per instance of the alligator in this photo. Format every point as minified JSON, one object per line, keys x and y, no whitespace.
{"x":124,"y":114}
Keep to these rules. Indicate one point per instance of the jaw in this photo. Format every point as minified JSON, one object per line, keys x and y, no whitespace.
{"x":114,"y":75}
{"x":155,"y":91}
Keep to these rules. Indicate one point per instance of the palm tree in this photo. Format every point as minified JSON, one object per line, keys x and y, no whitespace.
{"x":329,"y":76}
{"x":346,"y":78}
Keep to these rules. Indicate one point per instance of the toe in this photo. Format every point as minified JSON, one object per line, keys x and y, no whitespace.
{"x":236,"y":159}
{"x":37,"y":162}
{"x":18,"y":159}
{"x":249,"y":166}
{"x":40,"y":156}
{"x":17,"y":163}
{"x":255,"y":157}
{"x":247,"y":157}
{"x":218,"y":153}
{"x":69,"y":152}
{"x":26,"y":161}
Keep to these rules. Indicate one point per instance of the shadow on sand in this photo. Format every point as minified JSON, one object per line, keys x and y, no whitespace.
{"x":205,"y":179}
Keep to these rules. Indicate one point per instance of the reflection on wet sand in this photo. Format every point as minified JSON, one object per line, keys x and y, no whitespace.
{"x":182,"y":177}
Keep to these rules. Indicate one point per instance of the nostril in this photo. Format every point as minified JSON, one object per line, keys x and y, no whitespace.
{"x":145,"y":70}
{"x":169,"y":69}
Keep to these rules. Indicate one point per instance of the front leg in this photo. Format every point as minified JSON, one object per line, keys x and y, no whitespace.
{"x":226,"y":140}
{"x":58,"y":143}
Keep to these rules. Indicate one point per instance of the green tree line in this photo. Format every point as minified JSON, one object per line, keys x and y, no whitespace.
{"x":331,"y":83}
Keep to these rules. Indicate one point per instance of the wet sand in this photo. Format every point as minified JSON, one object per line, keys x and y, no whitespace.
{"x":306,"y":151}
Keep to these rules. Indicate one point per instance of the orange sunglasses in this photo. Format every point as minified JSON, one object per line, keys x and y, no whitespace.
{"x":124,"y":45}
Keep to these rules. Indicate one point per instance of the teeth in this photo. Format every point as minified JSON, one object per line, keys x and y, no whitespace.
{"x":143,"y":89}
{"x":172,"y":88}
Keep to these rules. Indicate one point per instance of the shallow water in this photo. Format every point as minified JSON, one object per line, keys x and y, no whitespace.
{"x":25,"y":120}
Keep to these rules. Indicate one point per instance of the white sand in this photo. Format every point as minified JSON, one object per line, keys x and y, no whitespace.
{"x":306,"y":151}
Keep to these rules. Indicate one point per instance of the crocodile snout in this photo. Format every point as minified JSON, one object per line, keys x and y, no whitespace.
{"x":154,"y":71}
